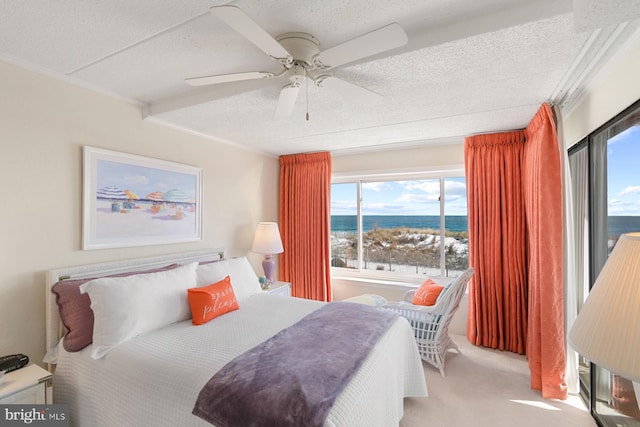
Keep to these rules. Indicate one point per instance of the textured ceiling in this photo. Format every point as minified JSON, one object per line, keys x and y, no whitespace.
{"x":469,"y":66}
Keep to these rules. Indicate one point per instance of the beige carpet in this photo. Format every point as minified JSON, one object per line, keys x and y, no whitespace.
{"x":486,"y":387}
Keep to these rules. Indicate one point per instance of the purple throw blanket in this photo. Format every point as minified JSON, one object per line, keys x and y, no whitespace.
{"x":294,"y":377}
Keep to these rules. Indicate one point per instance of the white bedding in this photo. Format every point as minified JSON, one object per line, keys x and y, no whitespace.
{"x":154,"y":379}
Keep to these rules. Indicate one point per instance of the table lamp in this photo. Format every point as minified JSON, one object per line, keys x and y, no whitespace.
{"x":607,"y":329}
{"x":267,"y":241}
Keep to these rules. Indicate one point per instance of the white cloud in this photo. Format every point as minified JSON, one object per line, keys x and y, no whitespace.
{"x":343,"y":207}
{"x":422,"y":192}
{"x":419,"y":198}
{"x":383,"y":208}
{"x":376,"y":186}
{"x":630,"y":190}
{"x":629,"y":135}
{"x":623,"y":207}
{"x":428,"y":186}
{"x":455,"y":188}
{"x":429,"y":191}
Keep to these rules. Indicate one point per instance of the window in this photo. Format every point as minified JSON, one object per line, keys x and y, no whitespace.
{"x":396,"y":226}
{"x":608,"y":207}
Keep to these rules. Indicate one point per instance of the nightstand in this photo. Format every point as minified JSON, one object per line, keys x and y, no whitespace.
{"x":28,"y":385}
{"x":280,"y":288}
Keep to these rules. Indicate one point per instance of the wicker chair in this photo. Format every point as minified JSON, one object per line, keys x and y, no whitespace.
{"x":431,"y":324}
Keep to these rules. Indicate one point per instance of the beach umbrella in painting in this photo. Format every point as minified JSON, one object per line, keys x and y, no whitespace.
{"x":176,"y":195}
{"x":111,"y":193}
{"x":131,"y":195}
{"x":156,"y":196}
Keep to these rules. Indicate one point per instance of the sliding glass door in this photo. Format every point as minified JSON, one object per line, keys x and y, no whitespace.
{"x":608,"y":160}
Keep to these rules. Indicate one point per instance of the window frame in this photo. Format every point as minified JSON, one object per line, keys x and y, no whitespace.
{"x":360,"y":177}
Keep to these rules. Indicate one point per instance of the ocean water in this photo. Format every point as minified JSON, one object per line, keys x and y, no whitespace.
{"x":348,"y":223}
{"x":623,"y":224}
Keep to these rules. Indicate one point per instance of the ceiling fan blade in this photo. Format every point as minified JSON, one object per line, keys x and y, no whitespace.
{"x":202,"y":95}
{"x":347,"y":89}
{"x":225,"y":78}
{"x":287,"y":100}
{"x":376,"y":41}
{"x":239,"y":21}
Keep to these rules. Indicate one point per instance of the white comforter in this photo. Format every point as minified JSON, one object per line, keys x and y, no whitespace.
{"x":154,"y":379}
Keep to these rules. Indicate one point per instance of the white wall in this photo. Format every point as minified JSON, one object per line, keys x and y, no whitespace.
{"x":616,"y":88}
{"x":44,"y":123}
{"x":427,"y":156}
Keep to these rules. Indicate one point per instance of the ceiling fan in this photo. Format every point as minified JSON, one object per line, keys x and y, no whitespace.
{"x":300,"y":57}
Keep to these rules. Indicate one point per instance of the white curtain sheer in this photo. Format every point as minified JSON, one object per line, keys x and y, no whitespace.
{"x":570,"y":270}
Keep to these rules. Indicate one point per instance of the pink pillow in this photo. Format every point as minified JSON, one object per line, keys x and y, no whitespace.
{"x":75,"y":309}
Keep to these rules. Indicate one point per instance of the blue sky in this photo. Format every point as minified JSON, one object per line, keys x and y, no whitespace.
{"x":416,"y":197}
{"x":623,"y":164}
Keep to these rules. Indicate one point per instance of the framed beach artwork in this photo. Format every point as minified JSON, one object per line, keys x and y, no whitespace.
{"x":131,"y":200}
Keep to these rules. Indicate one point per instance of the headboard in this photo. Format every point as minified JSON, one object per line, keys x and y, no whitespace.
{"x":54,"y":328}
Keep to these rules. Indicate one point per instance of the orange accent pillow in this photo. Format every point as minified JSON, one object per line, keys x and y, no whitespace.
{"x":428,"y":293}
{"x":209,"y":302}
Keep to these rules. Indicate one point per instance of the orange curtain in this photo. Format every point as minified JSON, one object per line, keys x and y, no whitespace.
{"x":516,"y":299}
{"x":542,"y":183}
{"x":305,"y":185}
{"x":498,"y":291}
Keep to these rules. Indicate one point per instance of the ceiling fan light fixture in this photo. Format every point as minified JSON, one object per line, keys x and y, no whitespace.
{"x":298,"y":73}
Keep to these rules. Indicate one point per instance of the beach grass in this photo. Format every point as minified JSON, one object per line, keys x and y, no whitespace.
{"x":404,"y":248}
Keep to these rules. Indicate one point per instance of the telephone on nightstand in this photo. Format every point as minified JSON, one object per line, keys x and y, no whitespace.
{"x":12,"y":362}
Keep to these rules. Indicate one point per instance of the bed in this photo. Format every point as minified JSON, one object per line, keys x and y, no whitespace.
{"x":155,"y":377}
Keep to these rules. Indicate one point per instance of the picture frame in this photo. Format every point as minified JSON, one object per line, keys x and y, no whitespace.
{"x":131,"y":200}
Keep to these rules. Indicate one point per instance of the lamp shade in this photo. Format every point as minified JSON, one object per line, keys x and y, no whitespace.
{"x":267,"y":239}
{"x":607,"y":329}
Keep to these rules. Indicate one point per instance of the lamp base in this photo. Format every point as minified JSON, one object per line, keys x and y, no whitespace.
{"x":268,"y":265}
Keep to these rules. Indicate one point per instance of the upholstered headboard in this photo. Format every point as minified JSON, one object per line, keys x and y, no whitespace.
{"x":54,"y":328}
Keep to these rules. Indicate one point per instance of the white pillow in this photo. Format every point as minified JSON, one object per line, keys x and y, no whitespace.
{"x":243,"y":279}
{"x":124,"y":307}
